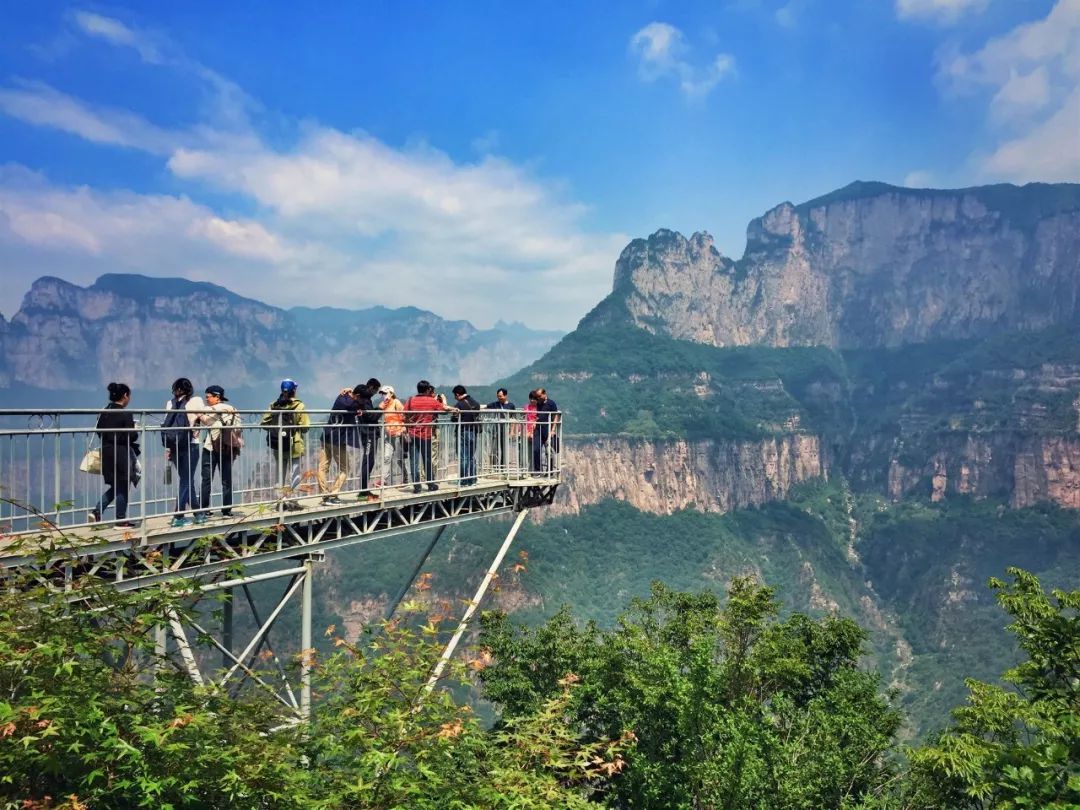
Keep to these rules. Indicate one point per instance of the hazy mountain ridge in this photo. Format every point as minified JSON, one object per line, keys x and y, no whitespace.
{"x":148,"y":331}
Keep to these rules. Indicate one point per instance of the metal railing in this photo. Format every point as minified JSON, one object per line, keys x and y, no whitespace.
{"x":275,"y":465}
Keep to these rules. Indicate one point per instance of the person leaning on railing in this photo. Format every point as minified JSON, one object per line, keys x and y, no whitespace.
{"x":119,"y":454}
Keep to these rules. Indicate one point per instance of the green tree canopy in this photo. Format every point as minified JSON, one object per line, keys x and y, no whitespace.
{"x":729,"y":706}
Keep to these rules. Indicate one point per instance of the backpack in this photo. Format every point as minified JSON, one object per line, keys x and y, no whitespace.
{"x":282,"y":427}
{"x":230,"y":437}
{"x":176,"y":429}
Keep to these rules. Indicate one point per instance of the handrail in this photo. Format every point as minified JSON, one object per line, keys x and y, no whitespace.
{"x":277,"y":465}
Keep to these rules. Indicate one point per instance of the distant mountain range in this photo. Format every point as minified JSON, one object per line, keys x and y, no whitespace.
{"x":148,"y":331}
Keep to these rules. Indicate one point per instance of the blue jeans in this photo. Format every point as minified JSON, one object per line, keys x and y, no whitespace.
{"x":186,"y":460}
{"x":119,"y":491}
{"x":420,"y":452}
{"x":467,"y":460}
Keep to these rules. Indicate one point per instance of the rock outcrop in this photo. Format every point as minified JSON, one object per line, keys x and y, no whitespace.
{"x":709,"y":476}
{"x":870,"y":265}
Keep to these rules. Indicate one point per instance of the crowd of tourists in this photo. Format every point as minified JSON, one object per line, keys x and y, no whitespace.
{"x":367,"y":422}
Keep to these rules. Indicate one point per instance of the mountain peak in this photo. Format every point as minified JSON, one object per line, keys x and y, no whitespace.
{"x":867,"y":265}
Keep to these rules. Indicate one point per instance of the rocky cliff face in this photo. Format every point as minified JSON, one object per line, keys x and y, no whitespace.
{"x":944,"y":356}
{"x":708,"y":476}
{"x":870,"y":265}
{"x":149,"y":331}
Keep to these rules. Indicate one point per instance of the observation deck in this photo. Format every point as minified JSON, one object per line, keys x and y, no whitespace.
{"x":280,"y":507}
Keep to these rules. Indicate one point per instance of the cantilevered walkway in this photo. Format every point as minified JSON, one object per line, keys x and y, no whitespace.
{"x":283,"y":516}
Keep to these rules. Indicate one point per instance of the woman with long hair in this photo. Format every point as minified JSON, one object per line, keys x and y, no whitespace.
{"x":119,"y":454}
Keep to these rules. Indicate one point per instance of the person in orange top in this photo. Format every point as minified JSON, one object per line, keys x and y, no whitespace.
{"x":393,"y":436}
{"x":420,"y":411}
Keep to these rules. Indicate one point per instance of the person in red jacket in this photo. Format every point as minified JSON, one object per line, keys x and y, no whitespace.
{"x":420,"y":413}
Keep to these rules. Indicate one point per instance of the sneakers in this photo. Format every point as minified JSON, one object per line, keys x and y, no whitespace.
{"x":432,"y":487}
{"x":365,"y":495}
{"x":201,"y":518}
{"x":127,"y":524}
{"x":226,"y":512}
{"x":179,"y":522}
{"x":417,"y":489}
{"x":332,"y":499}
{"x":291,"y":506}
{"x":93,"y":516}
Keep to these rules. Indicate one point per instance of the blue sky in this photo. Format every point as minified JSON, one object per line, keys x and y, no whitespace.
{"x":490,"y":160}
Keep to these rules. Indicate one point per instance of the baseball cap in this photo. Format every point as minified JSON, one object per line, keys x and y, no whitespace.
{"x":387,"y":389}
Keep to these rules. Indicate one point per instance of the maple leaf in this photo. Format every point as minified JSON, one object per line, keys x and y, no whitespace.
{"x":448,"y":731}
{"x":180,"y":722}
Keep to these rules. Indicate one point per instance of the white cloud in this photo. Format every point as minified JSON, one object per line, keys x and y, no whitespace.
{"x":920,"y":178}
{"x":116,"y":33}
{"x":1031,"y":75}
{"x":1022,"y":94}
{"x":339,"y":218}
{"x":662,"y":52}
{"x":940,"y":11}
{"x":1049,"y":151}
{"x":39,"y":104}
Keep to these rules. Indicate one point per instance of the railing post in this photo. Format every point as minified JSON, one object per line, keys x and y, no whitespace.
{"x":145,"y":480}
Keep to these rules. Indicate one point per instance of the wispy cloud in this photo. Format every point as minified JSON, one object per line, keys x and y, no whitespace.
{"x":39,"y":104}
{"x":920,"y":178}
{"x":117,"y":33}
{"x":1031,"y":78}
{"x":944,"y":12}
{"x":338,"y":218}
{"x":662,"y":53}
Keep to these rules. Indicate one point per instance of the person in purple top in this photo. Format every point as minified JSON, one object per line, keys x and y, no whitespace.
{"x":544,"y":436}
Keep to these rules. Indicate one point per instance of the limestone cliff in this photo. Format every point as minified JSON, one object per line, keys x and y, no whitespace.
{"x":667,"y":476}
{"x":148,"y":331}
{"x":870,"y":265}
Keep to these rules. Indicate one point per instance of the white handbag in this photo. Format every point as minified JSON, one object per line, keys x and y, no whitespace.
{"x":91,"y":462}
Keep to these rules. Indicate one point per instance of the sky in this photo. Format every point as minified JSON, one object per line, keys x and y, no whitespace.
{"x":490,"y":160}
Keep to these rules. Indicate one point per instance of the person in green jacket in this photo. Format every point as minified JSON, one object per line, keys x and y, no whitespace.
{"x":287,"y":421}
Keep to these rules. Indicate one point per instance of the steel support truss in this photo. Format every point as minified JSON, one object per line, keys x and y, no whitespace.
{"x":221,"y":562}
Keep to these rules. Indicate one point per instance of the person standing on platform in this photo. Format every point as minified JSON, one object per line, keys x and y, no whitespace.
{"x":338,"y":436}
{"x":500,"y":438}
{"x":119,"y":454}
{"x":394,"y":428}
{"x":180,"y":435}
{"x":287,"y":421}
{"x":467,"y":418}
{"x":545,"y":438}
{"x":420,"y":411}
{"x":220,"y":448}
{"x":368,"y":418}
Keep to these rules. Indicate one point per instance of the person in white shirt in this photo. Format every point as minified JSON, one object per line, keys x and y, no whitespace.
{"x":220,"y":448}
{"x":180,"y":435}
